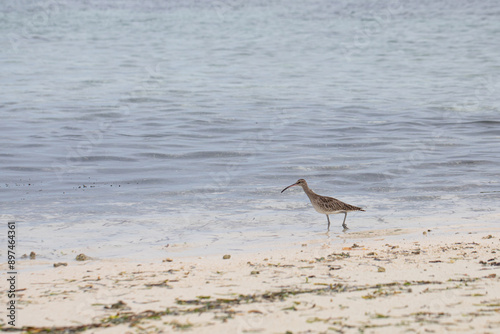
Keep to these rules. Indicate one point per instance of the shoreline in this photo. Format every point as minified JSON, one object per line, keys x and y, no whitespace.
{"x":423,"y":281}
{"x":246,"y":241}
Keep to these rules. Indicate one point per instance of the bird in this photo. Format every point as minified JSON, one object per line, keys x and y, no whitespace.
{"x":324,"y":204}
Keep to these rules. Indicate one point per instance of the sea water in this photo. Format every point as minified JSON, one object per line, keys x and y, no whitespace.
{"x":129,"y":128}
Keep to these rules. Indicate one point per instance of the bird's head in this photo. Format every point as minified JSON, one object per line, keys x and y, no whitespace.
{"x":300,"y":182}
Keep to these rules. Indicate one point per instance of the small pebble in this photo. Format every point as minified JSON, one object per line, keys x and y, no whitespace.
{"x":82,"y":257}
{"x":32,"y":255}
{"x":381,"y":269}
{"x":58,"y":264}
{"x":226,"y":257}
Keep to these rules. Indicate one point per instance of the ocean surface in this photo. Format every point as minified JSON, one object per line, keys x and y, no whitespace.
{"x":141,"y":128}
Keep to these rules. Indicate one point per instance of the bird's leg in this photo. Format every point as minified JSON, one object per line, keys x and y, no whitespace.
{"x":328,"y":222}
{"x":343,"y":223}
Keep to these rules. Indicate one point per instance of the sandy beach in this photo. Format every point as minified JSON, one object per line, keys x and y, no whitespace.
{"x":381,"y":282}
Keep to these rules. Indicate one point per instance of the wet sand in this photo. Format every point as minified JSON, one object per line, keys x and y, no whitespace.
{"x":373,"y":282}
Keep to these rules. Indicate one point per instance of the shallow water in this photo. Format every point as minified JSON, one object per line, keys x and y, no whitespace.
{"x":128,"y":127}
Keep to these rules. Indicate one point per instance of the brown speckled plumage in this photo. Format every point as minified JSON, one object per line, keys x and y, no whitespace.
{"x":324,"y":204}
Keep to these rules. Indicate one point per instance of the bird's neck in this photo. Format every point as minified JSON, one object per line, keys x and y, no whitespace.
{"x":308,"y":191}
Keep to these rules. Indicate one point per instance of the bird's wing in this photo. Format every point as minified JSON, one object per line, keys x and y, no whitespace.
{"x":333,"y":204}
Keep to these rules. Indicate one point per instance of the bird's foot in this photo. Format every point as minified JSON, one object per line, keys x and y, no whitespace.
{"x":345,"y":227}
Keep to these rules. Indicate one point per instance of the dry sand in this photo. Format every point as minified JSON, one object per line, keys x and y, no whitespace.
{"x":429,"y":282}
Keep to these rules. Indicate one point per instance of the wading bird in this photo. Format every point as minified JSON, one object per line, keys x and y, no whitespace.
{"x":324,"y":204}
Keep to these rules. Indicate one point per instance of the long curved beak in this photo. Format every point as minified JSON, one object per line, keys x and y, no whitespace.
{"x":289,"y":187}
